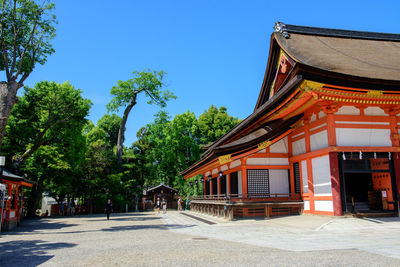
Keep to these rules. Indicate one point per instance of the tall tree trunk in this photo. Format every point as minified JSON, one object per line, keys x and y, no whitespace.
{"x":36,"y":195}
{"x":121,"y":132}
{"x":8,"y":98}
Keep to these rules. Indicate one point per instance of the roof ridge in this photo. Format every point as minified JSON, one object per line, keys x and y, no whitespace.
{"x":286,"y":29}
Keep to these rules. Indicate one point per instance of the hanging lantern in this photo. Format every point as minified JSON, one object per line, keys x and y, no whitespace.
{"x":344,"y":156}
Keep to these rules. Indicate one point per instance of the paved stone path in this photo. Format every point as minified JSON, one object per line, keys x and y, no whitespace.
{"x":145,"y":239}
{"x":306,"y":233}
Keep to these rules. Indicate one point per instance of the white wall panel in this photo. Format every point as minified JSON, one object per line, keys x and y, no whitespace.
{"x":363,"y":137}
{"x":299,"y":147}
{"x":348,"y":110}
{"x":224,"y":167}
{"x":313,"y":117}
{"x":321,"y":114}
{"x":304,"y":176}
{"x":319,"y":126}
{"x":306,"y":205}
{"x":374,"y":111}
{"x":267,"y":161}
{"x":279,"y":147}
{"x":323,"y":205}
{"x":319,"y":140}
{"x":235,"y":164}
{"x":321,"y":175}
{"x":278,"y":181}
{"x":208,"y":173}
{"x":239,"y":182}
{"x":215,"y":171}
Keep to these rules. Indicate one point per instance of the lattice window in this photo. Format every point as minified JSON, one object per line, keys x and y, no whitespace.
{"x":297,"y":185}
{"x":257,"y":182}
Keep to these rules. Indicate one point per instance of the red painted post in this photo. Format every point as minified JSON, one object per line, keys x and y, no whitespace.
{"x":335,"y":182}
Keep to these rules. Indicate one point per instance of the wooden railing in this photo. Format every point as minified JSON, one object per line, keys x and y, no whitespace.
{"x":250,"y":197}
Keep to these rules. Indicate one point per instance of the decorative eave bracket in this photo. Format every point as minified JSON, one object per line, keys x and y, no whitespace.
{"x":281,"y":28}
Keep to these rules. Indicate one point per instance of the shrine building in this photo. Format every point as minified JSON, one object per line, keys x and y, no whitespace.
{"x":11,"y":199}
{"x":324,"y":134}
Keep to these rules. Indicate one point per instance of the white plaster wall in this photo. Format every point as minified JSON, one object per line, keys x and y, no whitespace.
{"x":319,"y":140}
{"x":313,"y":117}
{"x":299,"y":147}
{"x":363,"y":137}
{"x":297,"y":135}
{"x":306,"y":205}
{"x":323,"y":205}
{"x":279,"y":147}
{"x":215,"y":171}
{"x":224,"y":167}
{"x":262,"y":151}
{"x":239,"y":182}
{"x":278,"y":181}
{"x":234,"y":164}
{"x":321,"y":176}
{"x":374,"y":111}
{"x":348,"y":110}
{"x":321,"y":114}
{"x":208,"y":173}
{"x":319,"y":126}
{"x":267,"y":161}
{"x":304,"y":176}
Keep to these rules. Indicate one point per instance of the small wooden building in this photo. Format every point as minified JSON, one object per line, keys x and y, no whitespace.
{"x":324,"y":134}
{"x":161,"y":191}
{"x":14,"y":199}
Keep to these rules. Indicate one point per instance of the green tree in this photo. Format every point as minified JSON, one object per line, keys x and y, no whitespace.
{"x":110,"y":124}
{"x":45,"y":129}
{"x":48,"y":105}
{"x":125,"y":95}
{"x":214,"y":123}
{"x":26,"y":29}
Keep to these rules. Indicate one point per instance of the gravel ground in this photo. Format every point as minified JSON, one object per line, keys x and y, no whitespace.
{"x":143,"y":239}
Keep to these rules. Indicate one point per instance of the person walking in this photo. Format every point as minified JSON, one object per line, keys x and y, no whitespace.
{"x":180,"y":204}
{"x":158,"y":205}
{"x":108,"y":209}
{"x":73,"y":208}
{"x":164,"y":205}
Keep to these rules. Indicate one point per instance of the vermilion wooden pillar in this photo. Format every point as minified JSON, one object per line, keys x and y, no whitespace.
{"x":396,"y":162}
{"x":335,"y":181}
{"x":244,"y":177}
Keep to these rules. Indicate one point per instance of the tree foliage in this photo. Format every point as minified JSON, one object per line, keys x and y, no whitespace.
{"x":125,"y":95}
{"x":167,"y":147}
{"x":44,"y":137}
{"x":26,"y":29}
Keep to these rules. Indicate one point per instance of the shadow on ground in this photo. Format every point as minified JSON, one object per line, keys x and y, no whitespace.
{"x":126,"y":218}
{"x":28,"y":252}
{"x":34,"y":225}
{"x":144,"y":227}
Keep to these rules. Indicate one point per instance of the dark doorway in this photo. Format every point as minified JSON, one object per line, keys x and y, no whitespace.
{"x":367,"y":182}
{"x":234,"y":183}
{"x":207,"y":187}
{"x":214,"y":186}
{"x":357,"y":187}
{"x":223,"y":185}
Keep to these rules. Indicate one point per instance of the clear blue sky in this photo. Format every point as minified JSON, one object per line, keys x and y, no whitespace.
{"x":215,"y":52}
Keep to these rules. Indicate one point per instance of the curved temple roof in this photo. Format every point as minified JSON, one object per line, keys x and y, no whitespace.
{"x":366,"y":60}
{"x":373,"y":59}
